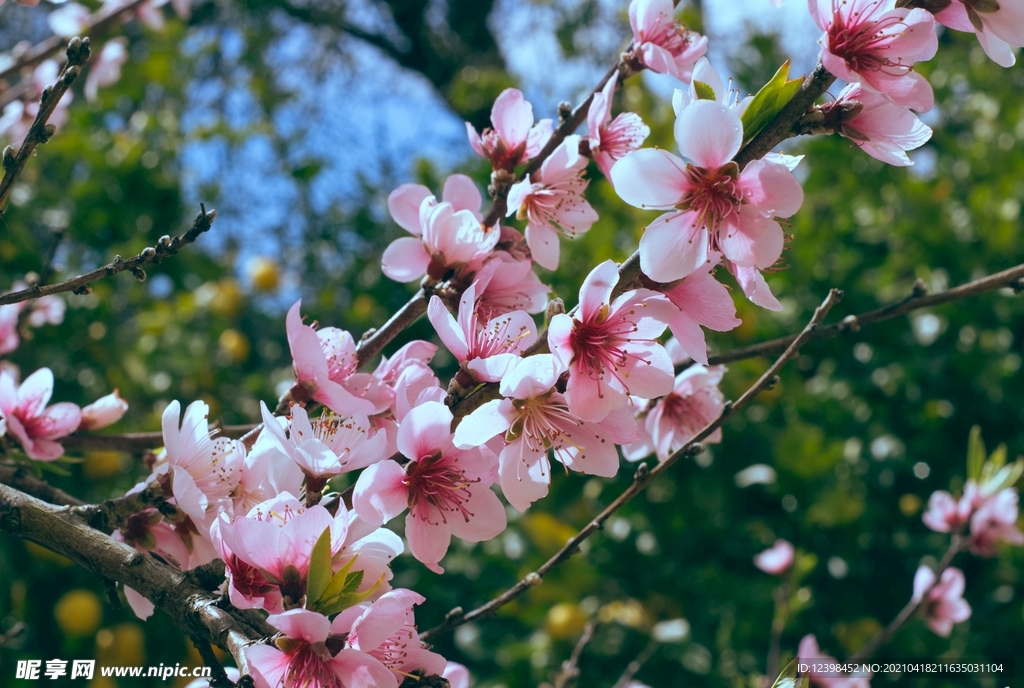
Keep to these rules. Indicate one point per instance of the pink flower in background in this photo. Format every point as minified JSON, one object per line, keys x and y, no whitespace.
{"x":312,"y":654}
{"x":488,"y":351}
{"x":70,"y":20}
{"x":999,"y":26}
{"x":446,"y":490}
{"x":446,"y":235}
{"x":318,"y":362}
{"x":19,"y":114}
{"x":809,"y":653}
{"x":199,"y":470}
{"x":946,"y":514}
{"x":611,"y":350}
{"x":702,"y":301}
{"x":457,"y":675}
{"x":660,"y":42}
{"x":552,"y":200}
{"x":9,"y":338}
{"x":777,"y":559}
{"x":536,"y":418}
{"x":995,"y":522}
{"x":26,"y":416}
{"x":872,"y":42}
{"x":105,"y":70}
{"x":880,"y":127}
{"x":103,"y":412}
{"x":508,"y":284}
{"x":46,"y":310}
{"x":722,"y":209}
{"x":514,"y":138}
{"x":611,"y":140}
{"x":942,"y":601}
{"x":676,"y":418}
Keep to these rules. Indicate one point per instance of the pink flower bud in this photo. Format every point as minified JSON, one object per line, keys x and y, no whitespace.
{"x":777,"y":559}
{"x":103,"y":412}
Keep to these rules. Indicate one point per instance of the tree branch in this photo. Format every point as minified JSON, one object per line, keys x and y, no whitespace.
{"x":570,"y":667}
{"x":643,"y":478}
{"x":111,"y":513}
{"x":164,"y":248}
{"x":19,"y":477}
{"x":135,"y":441}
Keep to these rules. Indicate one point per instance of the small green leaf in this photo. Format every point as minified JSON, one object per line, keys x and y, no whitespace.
{"x":339,"y":603}
{"x":704,"y":91}
{"x":336,"y":586}
{"x":319,"y":568}
{"x":769,"y":101}
{"x":790,"y":677}
{"x":975,"y":454}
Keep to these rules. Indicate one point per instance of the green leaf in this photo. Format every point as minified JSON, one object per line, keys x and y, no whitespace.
{"x":769,"y":101}
{"x":704,"y":91}
{"x":975,"y":454}
{"x":319,"y":568}
{"x":790,"y":678}
{"x":349,"y":597}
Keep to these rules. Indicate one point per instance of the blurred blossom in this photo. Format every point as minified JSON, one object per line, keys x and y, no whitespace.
{"x":777,"y":559}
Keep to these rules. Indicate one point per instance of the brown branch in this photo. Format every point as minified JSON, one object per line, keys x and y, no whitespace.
{"x":643,"y":478}
{"x":570,"y":667}
{"x":373,"y":342}
{"x":164,"y":248}
{"x":193,"y":609}
{"x":111,"y":513}
{"x":135,"y":441}
{"x":98,"y":25}
{"x":40,"y":132}
{"x":918,"y":299}
{"x":19,"y":477}
{"x":956,"y":545}
{"x":637,"y":664}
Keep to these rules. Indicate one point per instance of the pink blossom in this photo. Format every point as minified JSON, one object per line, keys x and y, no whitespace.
{"x":198,"y":470}
{"x":106,"y":69}
{"x":994,"y":522}
{"x":808,"y":653}
{"x":535,"y":418}
{"x":9,"y":338}
{"x":722,"y":209}
{"x":446,"y":490}
{"x":552,"y":201}
{"x":508,"y":284}
{"x":675,"y":419}
{"x":610,"y":141}
{"x":312,"y":654}
{"x":611,"y":350}
{"x":660,"y":43}
{"x":182,"y":544}
{"x":18,"y":115}
{"x":321,"y":361}
{"x":777,"y":559}
{"x":103,"y":412}
{"x":945,"y":513}
{"x":702,"y":301}
{"x":514,"y":138}
{"x":457,"y":675}
{"x":488,"y":351}
{"x":998,"y":26}
{"x":26,"y":416}
{"x":46,"y":310}
{"x":873,"y":42}
{"x":446,"y":235}
{"x":70,"y":20}
{"x":880,"y":127}
{"x":943,"y":602}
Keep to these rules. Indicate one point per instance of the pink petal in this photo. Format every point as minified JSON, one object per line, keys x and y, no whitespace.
{"x":302,"y":624}
{"x":755,"y":240}
{"x":405,"y":260}
{"x":708,"y":133}
{"x":650,"y":178}
{"x":482,"y":424}
{"x":653,"y":375}
{"x":924,"y":579}
{"x":269,"y":665}
{"x":171,"y":433}
{"x":560,"y":339}
{"x":428,"y":543}
{"x":58,"y":420}
{"x":532,"y":377}
{"x":404,"y":205}
{"x":359,"y":670}
{"x":597,"y":288}
{"x":307,"y":355}
{"x":512,"y":117}
{"x":592,"y":400}
{"x":461,"y":192}
{"x":673,"y":246}
{"x":706,"y":301}
{"x":142,"y":607}
{"x":35,"y":392}
{"x":755,"y":288}
{"x":690,"y":337}
{"x":771,"y":188}
{"x":447,"y":328}
{"x":544,"y":246}
{"x":524,"y":475}
{"x":488,"y":520}
{"x":424,"y":430}
{"x":380,"y":493}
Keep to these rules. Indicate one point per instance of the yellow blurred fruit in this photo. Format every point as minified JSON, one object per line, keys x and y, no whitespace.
{"x":363,"y":305}
{"x":565,"y":621}
{"x":264,"y":273}
{"x":910,"y":504}
{"x":78,"y":612}
{"x":42,"y":554}
{"x":626,"y":612}
{"x":101,"y":464}
{"x":228,"y":299}
{"x":235,"y":345}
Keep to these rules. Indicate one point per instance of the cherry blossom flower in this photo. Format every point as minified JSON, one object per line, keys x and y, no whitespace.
{"x":702,"y":301}
{"x":446,"y":490}
{"x":676,"y":418}
{"x":198,"y":470}
{"x":535,"y":418}
{"x":70,"y":20}
{"x":182,"y":544}
{"x":876,"y":44}
{"x":46,"y":310}
{"x":717,"y":207}
{"x":488,"y":352}
{"x":660,"y":43}
{"x":611,"y":349}
{"x":9,"y":338}
{"x":27,"y":417}
{"x":552,"y":201}
{"x":322,"y":360}
{"x":947,"y":514}
{"x":507,"y":284}
{"x":103,"y":412}
{"x":809,"y":653}
{"x":312,"y":654}
{"x":514,"y":138}
{"x":446,"y":235}
{"x":942,"y":601}
{"x":777,"y":559}
{"x":457,"y":675}
{"x":611,"y":140}
{"x":994,"y":522}
{"x":999,"y":26}
{"x":106,"y":69}
{"x":880,"y":127}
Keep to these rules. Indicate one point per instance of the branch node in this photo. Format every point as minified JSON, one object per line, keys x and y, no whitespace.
{"x":772,"y":381}
{"x":533,"y":579}
{"x":456,"y":613}
{"x":642,"y":471}
{"x":564,"y":112}
{"x":83,"y":290}
{"x":851,"y":323}
{"x":920,"y":288}
{"x":139,"y":274}
{"x":555,"y":307}
{"x":9,"y":160}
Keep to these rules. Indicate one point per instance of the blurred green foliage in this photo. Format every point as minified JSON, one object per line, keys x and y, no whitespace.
{"x":858,"y":433}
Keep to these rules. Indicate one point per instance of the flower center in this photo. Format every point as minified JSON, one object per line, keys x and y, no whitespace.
{"x":713,"y":195}
{"x":670,"y":35}
{"x":310,"y":667}
{"x":860,"y":41}
{"x":686,"y":411}
{"x":437,"y":487}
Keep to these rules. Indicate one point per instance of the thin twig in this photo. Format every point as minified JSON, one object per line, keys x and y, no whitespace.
{"x":641,"y":481}
{"x":12,"y":636}
{"x":779,"y":619}
{"x":570,"y":667}
{"x":956,"y":544}
{"x":218,"y":677}
{"x":20,"y":478}
{"x":164,"y":248}
{"x":40,"y":132}
{"x":637,"y":664}
{"x":135,"y":441}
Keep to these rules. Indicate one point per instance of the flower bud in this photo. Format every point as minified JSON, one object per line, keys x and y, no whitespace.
{"x":103,"y":412}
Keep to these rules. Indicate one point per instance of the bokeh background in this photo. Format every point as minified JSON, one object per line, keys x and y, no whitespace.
{"x":294,"y":119}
